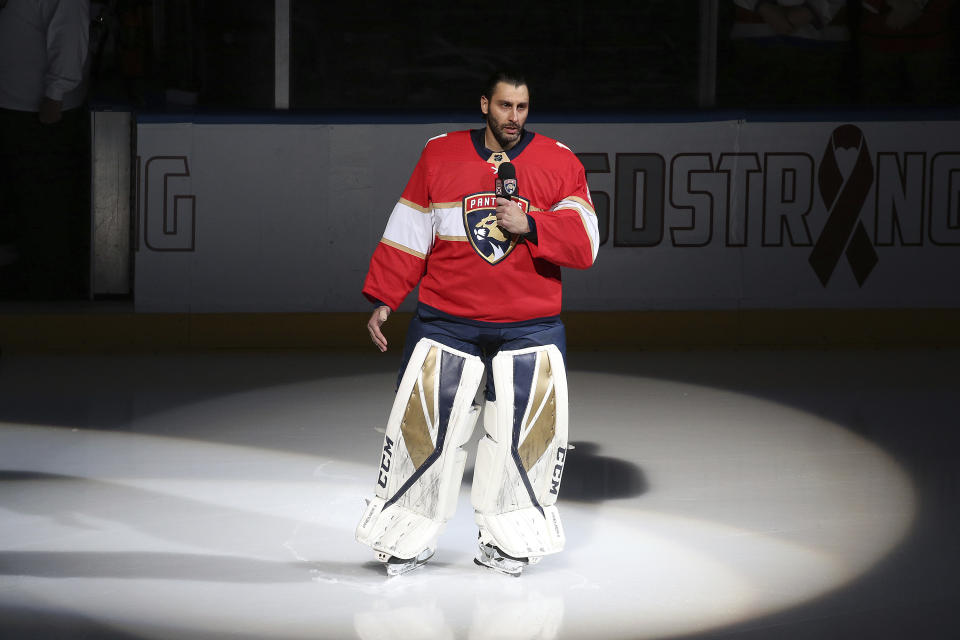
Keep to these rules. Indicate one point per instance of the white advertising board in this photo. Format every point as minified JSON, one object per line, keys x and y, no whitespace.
{"x":694,"y":215}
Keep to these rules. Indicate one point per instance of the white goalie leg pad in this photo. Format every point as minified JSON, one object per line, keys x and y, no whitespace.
{"x":421,"y":465}
{"x":520,"y":459}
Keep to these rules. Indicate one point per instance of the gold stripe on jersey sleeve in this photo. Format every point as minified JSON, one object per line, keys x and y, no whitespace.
{"x":586,"y":209}
{"x":453,"y":238}
{"x":414,"y":205}
{"x":400,"y":247}
{"x":586,"y":205}
{"x":445,"y":205}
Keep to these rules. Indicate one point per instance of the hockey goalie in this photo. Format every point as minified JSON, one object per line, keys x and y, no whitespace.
{"x":484,"y":226}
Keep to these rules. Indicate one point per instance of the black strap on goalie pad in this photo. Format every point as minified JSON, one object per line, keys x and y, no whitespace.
{"x":524,"y":367}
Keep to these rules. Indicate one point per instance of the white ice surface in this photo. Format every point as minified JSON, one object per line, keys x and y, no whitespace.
{"x":233,"y":513}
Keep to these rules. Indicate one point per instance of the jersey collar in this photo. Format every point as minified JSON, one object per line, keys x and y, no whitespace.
{"x":477,"y":135}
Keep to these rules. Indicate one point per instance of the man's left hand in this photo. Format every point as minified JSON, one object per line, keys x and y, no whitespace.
{"x":511,"y":218}
{"x":50,"y":110}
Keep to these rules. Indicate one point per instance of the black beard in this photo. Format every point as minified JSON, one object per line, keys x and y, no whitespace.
{"x":503,"y":141}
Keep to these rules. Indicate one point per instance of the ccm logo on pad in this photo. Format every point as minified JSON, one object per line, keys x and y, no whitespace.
{"x":558,"y":470}
{"x":385,"y":461}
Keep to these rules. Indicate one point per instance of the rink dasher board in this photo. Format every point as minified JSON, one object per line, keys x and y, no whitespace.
{"x":283,"y":217}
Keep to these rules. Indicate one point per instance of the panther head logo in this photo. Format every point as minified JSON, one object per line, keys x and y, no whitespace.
{"x":487,"y":228}
{"x":486,"y":237}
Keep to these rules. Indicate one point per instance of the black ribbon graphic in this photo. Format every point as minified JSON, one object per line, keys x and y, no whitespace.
{"x":844,"y":199}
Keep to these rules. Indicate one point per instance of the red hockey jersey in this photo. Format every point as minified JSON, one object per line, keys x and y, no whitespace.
{"x":442,"y":236}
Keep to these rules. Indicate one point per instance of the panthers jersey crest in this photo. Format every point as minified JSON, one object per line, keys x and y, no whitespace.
{"x":491,"y":243}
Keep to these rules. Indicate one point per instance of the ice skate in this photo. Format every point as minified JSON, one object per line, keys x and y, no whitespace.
{"x":398,"y":566}
{"x":493,"y":558}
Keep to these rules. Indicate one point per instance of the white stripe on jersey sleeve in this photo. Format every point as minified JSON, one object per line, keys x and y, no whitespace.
{"x":449,"y":220}
{"x":410,"y":228}
{"x":587,"y":216}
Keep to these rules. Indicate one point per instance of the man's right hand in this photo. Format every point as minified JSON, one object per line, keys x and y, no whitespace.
{"x":377,"y":318}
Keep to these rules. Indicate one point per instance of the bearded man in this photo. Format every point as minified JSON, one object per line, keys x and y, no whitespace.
{"x":489,"y":272}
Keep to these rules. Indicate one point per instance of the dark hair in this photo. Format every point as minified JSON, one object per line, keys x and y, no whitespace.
{"x":509,"y":76}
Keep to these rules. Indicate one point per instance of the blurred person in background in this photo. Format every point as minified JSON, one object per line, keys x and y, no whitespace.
{"x":44,"y":149}
{"x":787,"y":53}
{"x":905,"y":50}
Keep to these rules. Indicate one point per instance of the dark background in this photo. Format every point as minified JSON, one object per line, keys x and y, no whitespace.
{"x":374,"y":55}
{"x":591,"y":61}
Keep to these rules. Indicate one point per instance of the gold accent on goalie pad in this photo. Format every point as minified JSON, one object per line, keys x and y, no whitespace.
{"x":415,"y":425}
{"x":545,"y":427}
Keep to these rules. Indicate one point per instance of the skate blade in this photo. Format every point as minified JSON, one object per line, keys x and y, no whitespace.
{"x":399,"y":567}
{"x":515,"y":573}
